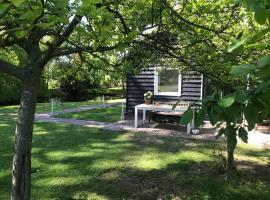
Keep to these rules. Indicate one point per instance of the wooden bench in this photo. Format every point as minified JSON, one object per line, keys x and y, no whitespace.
{"x":160,"y":108}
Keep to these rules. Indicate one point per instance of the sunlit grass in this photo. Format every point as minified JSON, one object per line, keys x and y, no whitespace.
{"x":47,"y":107}
{"x":73,"y":162}
{"x":110,"y":114}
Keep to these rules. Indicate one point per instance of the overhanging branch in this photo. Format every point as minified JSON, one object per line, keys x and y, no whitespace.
{"x":121,"y":18}
{"x":10,"y":69}
{"x":61,"y":39}
{"x":88,"y":49}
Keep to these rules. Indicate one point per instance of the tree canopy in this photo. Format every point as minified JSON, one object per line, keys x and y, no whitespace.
{"x":249,"y":102}
{"x":114,"y":34}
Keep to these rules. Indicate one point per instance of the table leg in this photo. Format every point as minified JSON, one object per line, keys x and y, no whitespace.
{"x":193,"y":117}
{"x":144,"y":115}
{"x":188,"y":128}
{"x":136,"y":118}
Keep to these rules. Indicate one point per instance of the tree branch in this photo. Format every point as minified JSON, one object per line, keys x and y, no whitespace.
{"x":10,"y":69}
{"x":61,"y":39}
{"x":218,"y":32}
{"x":186,"y":61}
{"x":120,"y":17}
{"x":103,"y":69}
{"x":77,"y":49}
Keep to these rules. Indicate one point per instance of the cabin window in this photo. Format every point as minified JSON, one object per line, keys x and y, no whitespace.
{"x":167,"y":82}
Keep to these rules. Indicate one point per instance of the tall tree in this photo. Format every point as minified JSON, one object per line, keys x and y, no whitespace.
{"x":44,"y":30}
{"x":248,"y":104}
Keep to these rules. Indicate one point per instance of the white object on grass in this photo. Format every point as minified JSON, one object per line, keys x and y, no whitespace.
{"x":195,"y":131}
{"x":52,"y":111}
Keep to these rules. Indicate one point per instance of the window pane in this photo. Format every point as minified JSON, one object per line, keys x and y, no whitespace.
{"x":168,"y":80}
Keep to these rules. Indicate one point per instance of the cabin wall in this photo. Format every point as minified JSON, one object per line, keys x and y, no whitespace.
{"x":193,"y":88}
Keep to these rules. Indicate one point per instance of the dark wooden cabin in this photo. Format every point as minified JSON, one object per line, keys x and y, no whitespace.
{"x":167,"y":85}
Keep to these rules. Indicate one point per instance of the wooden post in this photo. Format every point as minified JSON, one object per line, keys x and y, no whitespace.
{"x":52,"y":111}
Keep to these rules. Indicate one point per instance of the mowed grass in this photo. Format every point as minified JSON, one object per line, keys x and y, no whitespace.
{"x":110,"y":114}
{"x":73,"y":162}
{"x":47,"y":107}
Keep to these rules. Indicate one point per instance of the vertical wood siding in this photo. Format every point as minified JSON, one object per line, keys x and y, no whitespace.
{"x":192,"y":88}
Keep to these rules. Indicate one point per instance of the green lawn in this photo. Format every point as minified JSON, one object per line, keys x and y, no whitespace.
{"x":72,"y":162}
{"x":110,"y":114}
{"x":46,"y":107}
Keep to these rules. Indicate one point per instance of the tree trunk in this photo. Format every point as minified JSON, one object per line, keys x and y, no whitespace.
{"x":123,"y":84}
{"x":21,"y":166}
{"x":230,"y":157}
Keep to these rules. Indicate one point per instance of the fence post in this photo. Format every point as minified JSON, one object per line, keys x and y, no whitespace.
{"x":122,"y":112}
{"x":52,"y":111}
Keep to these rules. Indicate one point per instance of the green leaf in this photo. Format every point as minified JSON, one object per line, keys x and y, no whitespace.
{"x":4,"y":7}
{"x":262,"y":62}
{"x":17,"y":3}
{"x":261,"y":15}
{"x":216,"y":96}
{"x":242,"y":70}
{"x":213,"y":116}
{"x":96,"y":45}
{"x":243,"y":134}
{"x":251,"y":115}
{"x":199,"y":117}
{"x":20,"y":34}
{"x":187,"y":117}
{"x":31,"y":15}
{"x":241,"y":96}
{"x":233,"y":113}
{"x":227,"y":101}
{"x":236,"y":45}
{"x":258,"y":35}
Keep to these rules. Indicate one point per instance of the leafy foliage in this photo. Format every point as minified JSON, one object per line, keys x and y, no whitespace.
{"x":187,"y":117}
{"x":249,"y":102}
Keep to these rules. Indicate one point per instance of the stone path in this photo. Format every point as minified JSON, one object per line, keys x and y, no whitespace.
{"x":92,"y":124}
{"x":259,"y":139}
{"x":154,"y":128}
{"x":206,"y":133}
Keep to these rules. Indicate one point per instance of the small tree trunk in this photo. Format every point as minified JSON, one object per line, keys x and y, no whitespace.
{"x":123,"y":84}
{"x":21,"y":166}
{"x":230,"y":157}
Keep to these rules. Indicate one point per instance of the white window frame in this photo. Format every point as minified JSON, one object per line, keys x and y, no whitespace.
{"x":156,"y":92}
{"x":202,"y":86}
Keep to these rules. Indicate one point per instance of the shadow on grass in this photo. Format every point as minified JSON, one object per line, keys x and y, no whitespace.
{"x":98,"y":164}
{"x":73,"y":162}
